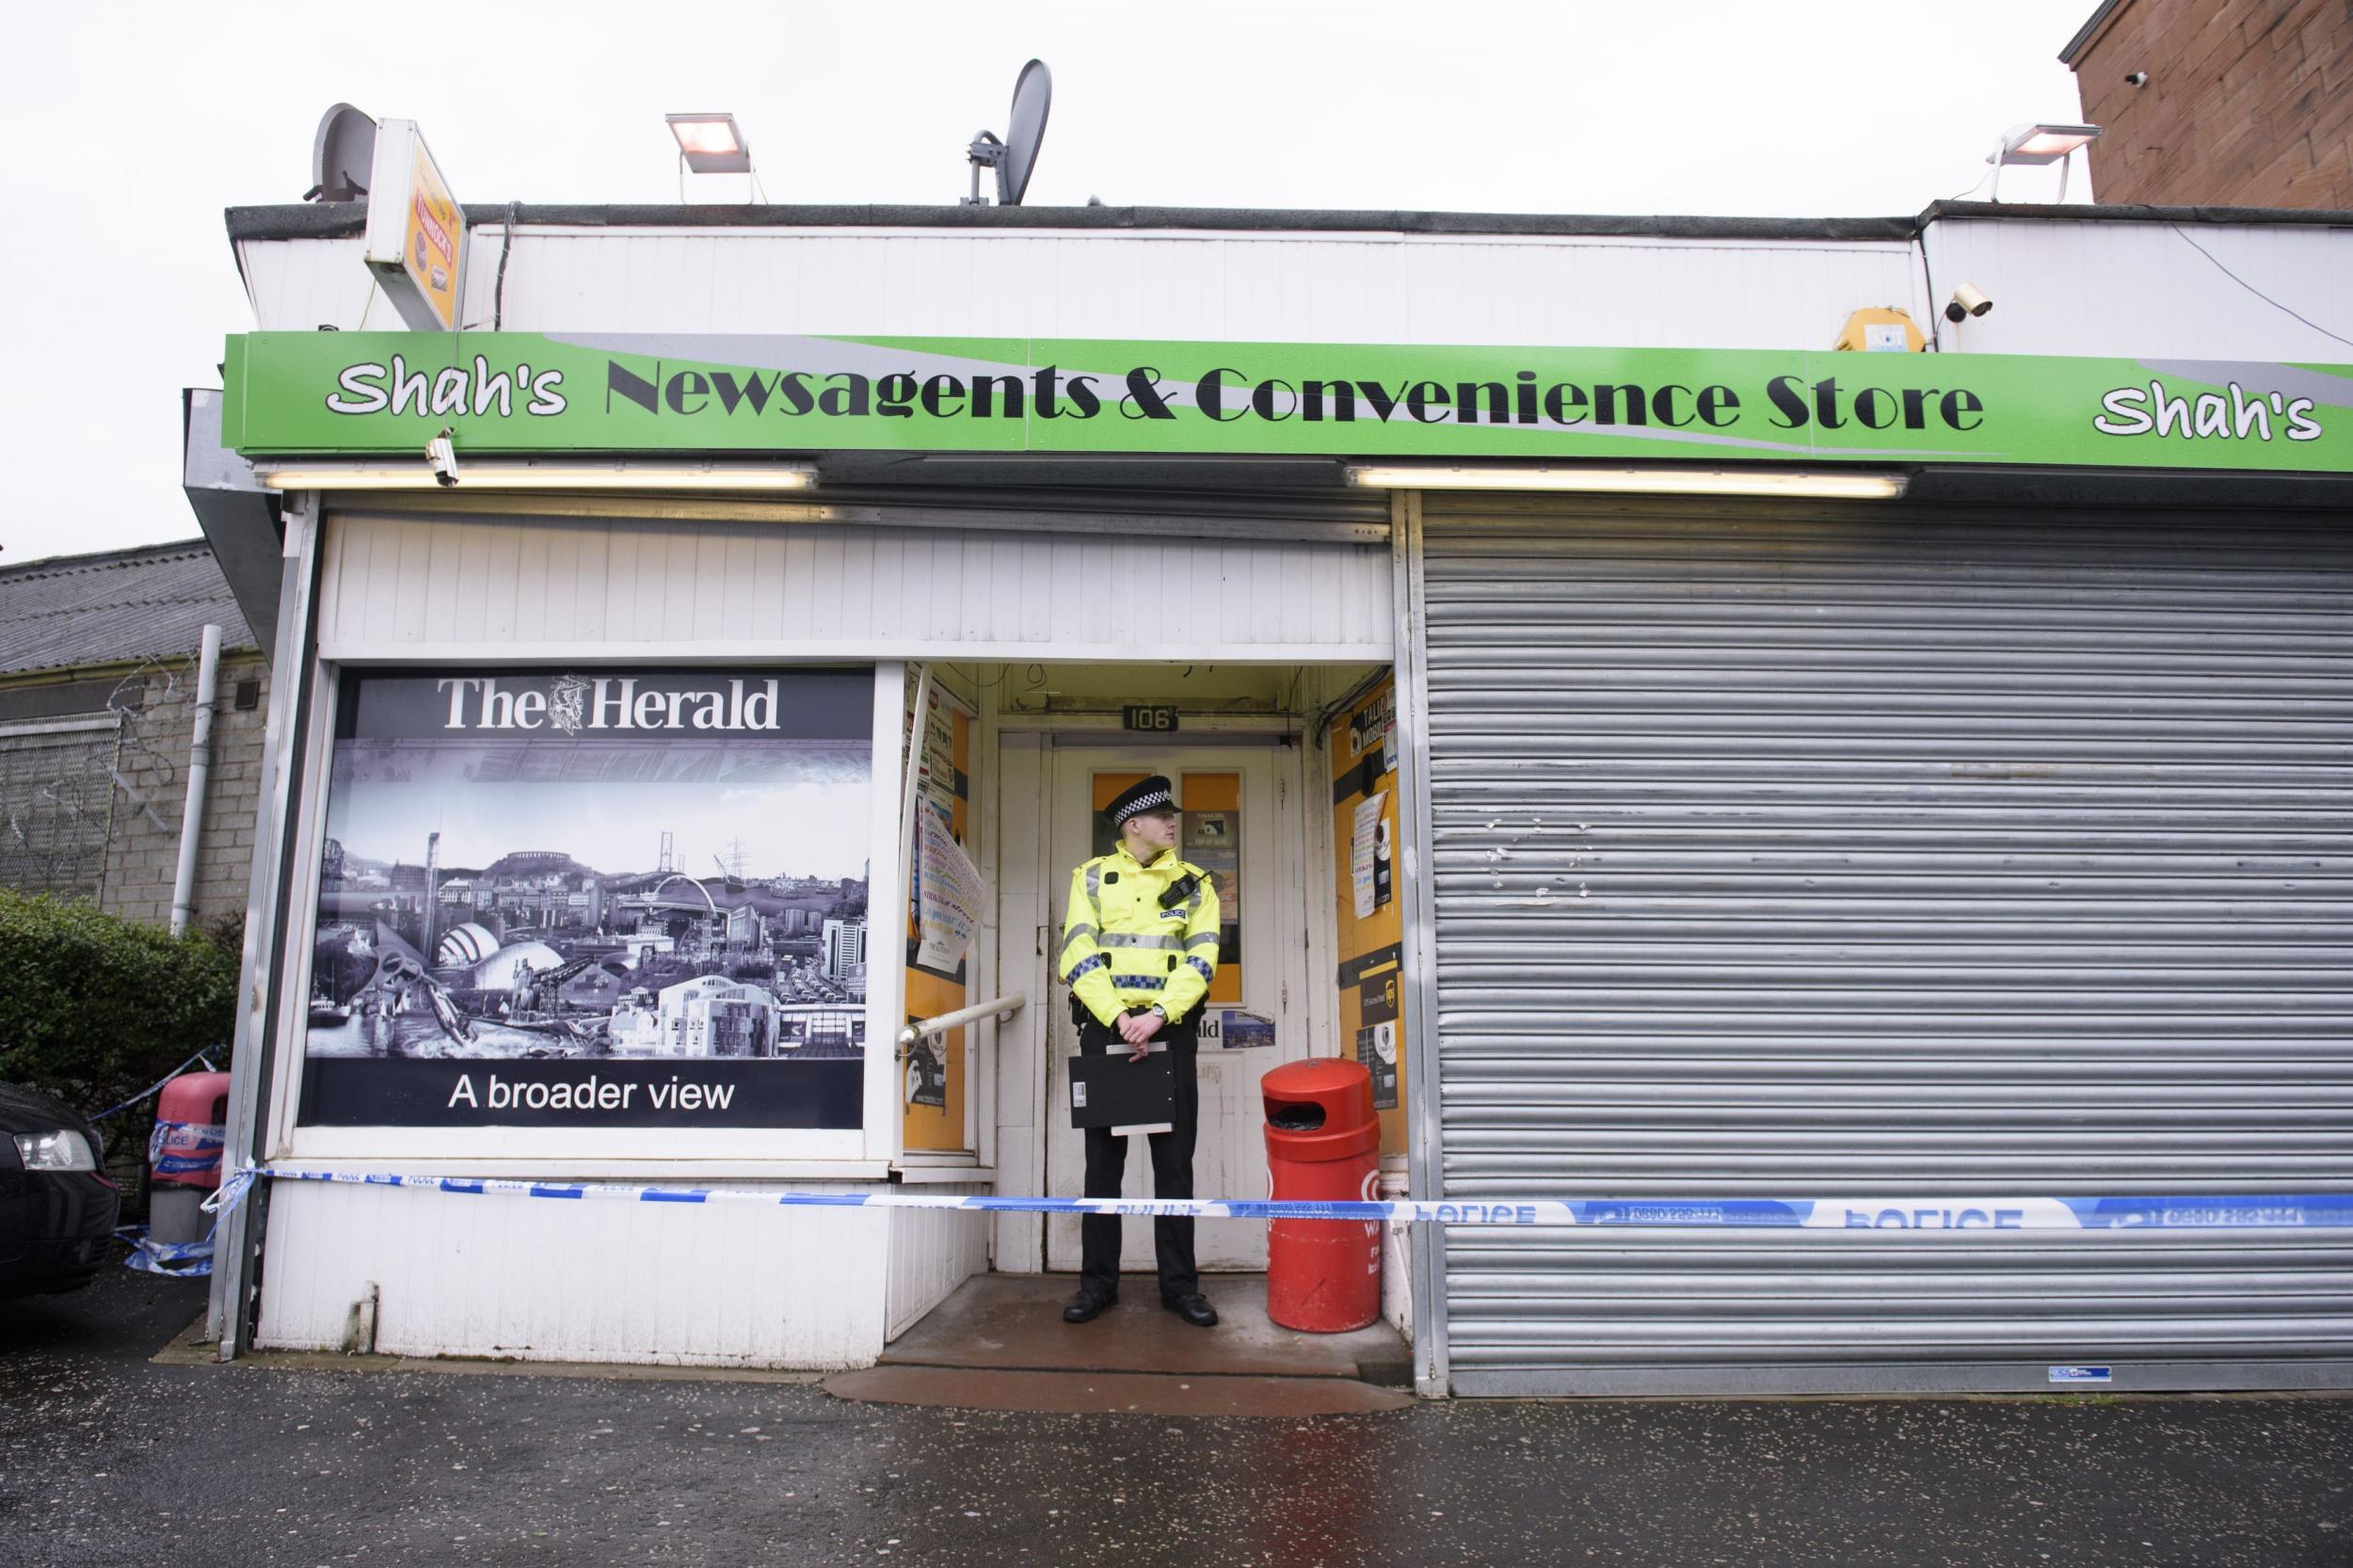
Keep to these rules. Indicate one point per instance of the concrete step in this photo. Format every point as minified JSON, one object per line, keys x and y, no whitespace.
{"x":1005,"y":1323}
{"x":1113,"y":1393}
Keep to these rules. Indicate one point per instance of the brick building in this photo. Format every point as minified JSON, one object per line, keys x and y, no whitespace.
{"x":98,"y":676}
{"x":2245,"y":102}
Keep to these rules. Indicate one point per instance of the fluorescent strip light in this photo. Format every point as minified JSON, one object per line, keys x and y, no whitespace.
{"x":1816,"y":483}
{"x":473,"y":476}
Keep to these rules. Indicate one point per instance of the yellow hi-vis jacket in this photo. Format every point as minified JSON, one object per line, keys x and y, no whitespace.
{"x":1121,"y":950}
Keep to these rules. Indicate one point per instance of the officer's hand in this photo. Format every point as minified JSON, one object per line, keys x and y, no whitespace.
{"x":1137,"y":1028}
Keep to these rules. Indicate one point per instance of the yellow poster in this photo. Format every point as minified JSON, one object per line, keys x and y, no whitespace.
{"x":933,"y":1084}
{"x":1363,"y":749}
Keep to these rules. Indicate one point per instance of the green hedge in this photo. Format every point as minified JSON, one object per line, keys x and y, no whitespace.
{"x":94,"y":1009}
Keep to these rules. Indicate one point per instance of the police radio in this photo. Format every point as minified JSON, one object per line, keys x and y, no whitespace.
{"x":1182,"y":889}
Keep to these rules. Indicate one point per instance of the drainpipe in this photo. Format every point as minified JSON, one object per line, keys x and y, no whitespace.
{"x":199,"y":768}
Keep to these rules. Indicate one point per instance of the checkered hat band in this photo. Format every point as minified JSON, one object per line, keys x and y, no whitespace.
{"x":1156,"y":800}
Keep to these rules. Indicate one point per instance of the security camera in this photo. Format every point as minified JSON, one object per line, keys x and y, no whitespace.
{"x":2136,"y":79}
{"x":442,"y":458}
{"x":1967,"y":300}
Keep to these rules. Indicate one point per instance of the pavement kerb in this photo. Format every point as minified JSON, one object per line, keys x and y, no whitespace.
{"x":193,"y":1348}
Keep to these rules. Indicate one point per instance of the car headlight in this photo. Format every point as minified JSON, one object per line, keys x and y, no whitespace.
{"x":61,"y":1150}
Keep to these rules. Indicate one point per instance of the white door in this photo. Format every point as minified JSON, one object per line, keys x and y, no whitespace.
{"x":1240,"y":824}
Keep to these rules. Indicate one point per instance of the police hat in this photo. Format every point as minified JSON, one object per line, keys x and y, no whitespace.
{"x":1155,"y":793}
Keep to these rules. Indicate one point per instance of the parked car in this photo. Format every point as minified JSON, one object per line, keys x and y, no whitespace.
{"x":58,"y":1208}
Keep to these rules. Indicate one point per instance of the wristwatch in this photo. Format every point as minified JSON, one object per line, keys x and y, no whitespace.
{"x":1156,"y":1007}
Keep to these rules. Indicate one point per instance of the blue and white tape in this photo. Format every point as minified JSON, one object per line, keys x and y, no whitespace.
{"x":186,"y":1148}
{"x":173,"y":1260}
{"x":156,"y":1087}
{"x":2233,"y":1212}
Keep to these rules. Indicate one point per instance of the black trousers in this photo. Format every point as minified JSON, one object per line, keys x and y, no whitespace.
{"x":1172,"y":1174}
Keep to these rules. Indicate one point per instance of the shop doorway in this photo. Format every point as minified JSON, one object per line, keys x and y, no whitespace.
{"x":1242,"y":824}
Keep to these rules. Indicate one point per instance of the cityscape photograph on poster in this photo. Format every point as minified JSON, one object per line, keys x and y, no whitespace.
{"x":501,"y":882}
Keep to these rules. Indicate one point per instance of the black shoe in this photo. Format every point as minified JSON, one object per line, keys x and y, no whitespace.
{"x":1195,"y":1309}
{"x":1086,"y":1306}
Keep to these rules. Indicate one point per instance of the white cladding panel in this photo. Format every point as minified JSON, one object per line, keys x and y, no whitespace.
{"x":931,"y":1252}
{"x":682,"y":1284}
{"x":303,"y":285}
{"x":395,"y":585}
{"x":1248,"y":287}
{"x":2144,"y":289}
{"x":2060,"y":287}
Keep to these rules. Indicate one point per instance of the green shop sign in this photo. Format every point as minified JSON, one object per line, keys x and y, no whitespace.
{"x":362,"y":393}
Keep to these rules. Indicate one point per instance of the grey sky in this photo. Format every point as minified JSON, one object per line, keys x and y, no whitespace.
{"x":810,"y":828}
{"x":130,"y":126}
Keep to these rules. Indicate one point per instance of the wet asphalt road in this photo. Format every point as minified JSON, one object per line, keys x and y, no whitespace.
{"x":108,"y":1459}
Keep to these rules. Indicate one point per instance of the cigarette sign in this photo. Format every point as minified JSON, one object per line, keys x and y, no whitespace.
{"x":416,"y":240}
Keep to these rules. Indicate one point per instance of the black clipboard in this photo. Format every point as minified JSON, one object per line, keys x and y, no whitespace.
{"x":1108,"y":1089}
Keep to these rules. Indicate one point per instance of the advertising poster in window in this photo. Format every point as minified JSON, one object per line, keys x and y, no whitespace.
{"x":1363,"y":749}
{"x":596,"y":898}
{"x":943,"y":915}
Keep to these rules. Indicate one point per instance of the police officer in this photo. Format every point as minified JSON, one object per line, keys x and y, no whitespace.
{"x":1138,"y":947}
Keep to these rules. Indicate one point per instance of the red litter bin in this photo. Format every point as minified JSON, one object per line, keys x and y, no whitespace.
{"x":1323,"y":1145}
{"x":184,"y":1156}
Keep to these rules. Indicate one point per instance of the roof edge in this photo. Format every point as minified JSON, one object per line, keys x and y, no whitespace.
{"x":104,"y":557}
{"x":114,"y":669}
{"x":337,"y":220}
{"x":332,"y":220}
{"x":2123,"y":211}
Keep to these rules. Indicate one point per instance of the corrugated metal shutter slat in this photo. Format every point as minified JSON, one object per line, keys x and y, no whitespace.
{"x":1869,"y":854}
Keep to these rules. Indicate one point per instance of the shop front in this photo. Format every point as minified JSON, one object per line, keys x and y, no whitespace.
{"x":1681,"y":776}
{"x":658,"y":910}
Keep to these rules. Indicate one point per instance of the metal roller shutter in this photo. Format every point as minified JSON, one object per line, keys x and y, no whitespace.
{"x":1867,"y":853}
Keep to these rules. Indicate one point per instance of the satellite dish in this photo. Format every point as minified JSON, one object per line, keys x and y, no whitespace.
{"x":1014,"y":157}
{"x":1032,"y":95}
{"x":341,"y":156}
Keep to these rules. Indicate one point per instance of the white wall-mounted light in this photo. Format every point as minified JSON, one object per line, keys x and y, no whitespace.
{"x":1821,"y":483}
{"x":2040,"y":144}
{"x":477,"y":475}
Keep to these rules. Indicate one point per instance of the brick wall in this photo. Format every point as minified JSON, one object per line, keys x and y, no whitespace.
{"x":56,"y":804}
{"x":143,"y":852}
{"x":2249,"y":103}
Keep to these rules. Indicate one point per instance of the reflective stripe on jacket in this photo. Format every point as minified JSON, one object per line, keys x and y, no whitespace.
{"x":1121,"y":950}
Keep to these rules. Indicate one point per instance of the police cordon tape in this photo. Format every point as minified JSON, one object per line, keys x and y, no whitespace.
{"x":151,"y":1089}
{"x":173,"y":1260}
{"x":2228,"y":1211}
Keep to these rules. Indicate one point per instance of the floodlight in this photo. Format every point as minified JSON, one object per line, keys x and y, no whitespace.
{"x":711,"y":143}
{"x":2039,"y":144}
